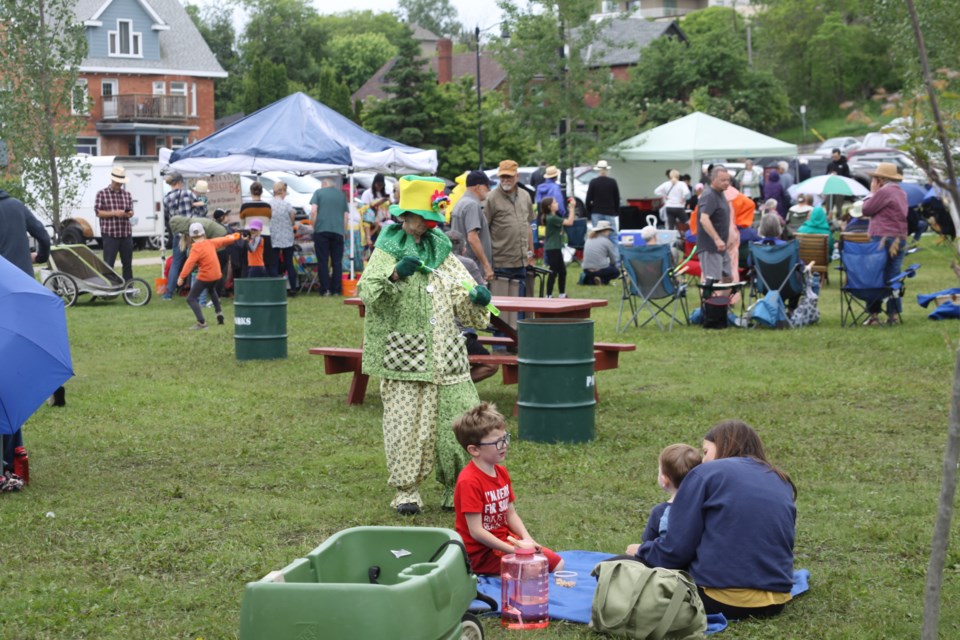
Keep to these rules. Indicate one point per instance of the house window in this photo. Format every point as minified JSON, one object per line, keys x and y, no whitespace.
{"x":159,"y":88}
{"x":161,"y":142}
{"x":80,"y":98}
{"x":108,"y":94}
{"x":89,"y":146}
{"x":109,"y":88}
{"x":193,"y":98}
{"x":124,"y":41}
{"x":178,"y":142}
{"x":178,"y":88}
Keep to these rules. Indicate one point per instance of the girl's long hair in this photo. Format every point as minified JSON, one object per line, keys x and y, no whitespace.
{"x":382,"y":191}
{"x":737,"y":439}
{"x":545,"y":205}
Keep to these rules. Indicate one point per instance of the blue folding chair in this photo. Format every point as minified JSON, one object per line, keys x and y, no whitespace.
{"x":862,"y":283}
{"x":777,"y":276}
{"x":650,"y":283}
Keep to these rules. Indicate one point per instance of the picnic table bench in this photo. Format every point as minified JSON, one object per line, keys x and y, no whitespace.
{"x":348,"y":360}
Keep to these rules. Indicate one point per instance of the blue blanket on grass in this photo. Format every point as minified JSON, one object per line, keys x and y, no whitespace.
{"x":573,"y":604}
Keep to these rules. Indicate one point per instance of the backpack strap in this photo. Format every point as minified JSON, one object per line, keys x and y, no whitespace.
{"x":676,"y":601}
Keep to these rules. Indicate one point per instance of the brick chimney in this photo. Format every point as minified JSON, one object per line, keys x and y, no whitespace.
{"x":444,"y":60}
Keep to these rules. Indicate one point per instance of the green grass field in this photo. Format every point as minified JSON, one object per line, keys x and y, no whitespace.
{"x":176,"y":474}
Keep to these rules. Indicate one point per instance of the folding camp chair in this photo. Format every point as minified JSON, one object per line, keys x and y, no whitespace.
{"x":777,"y":268}
{"x":649,"y":282}
{"x":862,"y":283}
{"x":305,"y":261}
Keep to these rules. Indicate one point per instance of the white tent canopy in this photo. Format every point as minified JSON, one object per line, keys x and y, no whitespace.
{"x":684,"y":144}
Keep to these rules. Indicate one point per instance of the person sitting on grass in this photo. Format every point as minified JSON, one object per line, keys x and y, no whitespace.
{"x":733,"y":524}
{"x":486,"y":518}
{"x":601,"y":259}
{"x":203,"y":254}
{"x":675,"y":463}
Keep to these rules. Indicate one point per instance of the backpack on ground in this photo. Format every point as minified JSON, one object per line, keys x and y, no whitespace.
{"x":635,"y":601}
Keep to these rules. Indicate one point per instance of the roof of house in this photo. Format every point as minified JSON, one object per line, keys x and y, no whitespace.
{"x":182,"y":49}
{"x":620,"y":41}
{"x":421,"y":34}
{"x":492,"y":75}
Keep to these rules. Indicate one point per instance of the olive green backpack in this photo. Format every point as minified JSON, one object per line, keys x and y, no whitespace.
{"x":635,"y":601}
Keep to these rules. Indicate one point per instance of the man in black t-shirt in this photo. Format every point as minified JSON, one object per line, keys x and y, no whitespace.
{"x":603,"y":197}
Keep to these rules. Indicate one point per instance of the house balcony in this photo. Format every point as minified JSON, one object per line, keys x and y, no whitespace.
{"x":144,"y":108}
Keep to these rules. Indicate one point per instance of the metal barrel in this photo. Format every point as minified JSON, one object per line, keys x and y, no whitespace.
{"x":260,"y":318}
{"x":556,"y":395}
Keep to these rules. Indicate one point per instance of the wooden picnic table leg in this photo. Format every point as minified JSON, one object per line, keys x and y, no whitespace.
{"x":358,"y":387}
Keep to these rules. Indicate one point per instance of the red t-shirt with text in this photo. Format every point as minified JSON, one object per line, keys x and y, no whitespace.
{"x":476,"y":492}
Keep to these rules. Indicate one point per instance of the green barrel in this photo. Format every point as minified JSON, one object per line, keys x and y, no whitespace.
{"x":556,"y":396}
{"x":260,"y":318}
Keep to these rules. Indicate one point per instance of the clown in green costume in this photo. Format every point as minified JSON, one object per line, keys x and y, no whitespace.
{"x":410,"y":340}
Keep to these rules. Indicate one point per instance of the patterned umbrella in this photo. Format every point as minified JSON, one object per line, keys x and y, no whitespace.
{"x":829,"y":186}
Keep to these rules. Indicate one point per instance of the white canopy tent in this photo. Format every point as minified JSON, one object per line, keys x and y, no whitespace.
{"x":639,"y":163}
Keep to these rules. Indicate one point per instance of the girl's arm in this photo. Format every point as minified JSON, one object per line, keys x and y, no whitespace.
{"x":571,"y":212}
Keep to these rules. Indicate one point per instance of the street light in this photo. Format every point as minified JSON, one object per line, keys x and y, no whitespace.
{"x":505,"y":36}
{"x":803,"y":117}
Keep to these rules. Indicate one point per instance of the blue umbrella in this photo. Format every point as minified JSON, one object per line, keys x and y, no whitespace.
{"x":915,"y":193}
{"x":34,"y":348}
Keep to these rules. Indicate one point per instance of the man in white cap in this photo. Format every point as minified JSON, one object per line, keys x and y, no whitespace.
{"x":603,"y":197}
{"x":114,"y":208}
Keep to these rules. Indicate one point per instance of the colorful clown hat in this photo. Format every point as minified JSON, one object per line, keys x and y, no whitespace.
{"x":422,"y":195}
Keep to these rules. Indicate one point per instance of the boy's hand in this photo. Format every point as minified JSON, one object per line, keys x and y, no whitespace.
{"x":632,"y":549}
{"x":524,"y":543}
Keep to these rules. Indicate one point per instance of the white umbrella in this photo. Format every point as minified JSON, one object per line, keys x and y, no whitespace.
{"x":832,"y":185}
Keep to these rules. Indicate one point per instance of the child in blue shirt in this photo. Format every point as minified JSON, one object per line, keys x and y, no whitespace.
{"x":676,"y":461}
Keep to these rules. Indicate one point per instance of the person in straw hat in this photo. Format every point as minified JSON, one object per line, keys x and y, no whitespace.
{"x":114,"y":208}
{"x":886,"y":208}
{"x":412,"y":294}
{"x":601,"y":260}
{"x":603,"y":196}
{"x":549,"y":188}
{"x":200,"y":201}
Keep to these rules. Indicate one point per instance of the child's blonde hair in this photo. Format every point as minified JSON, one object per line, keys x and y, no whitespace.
{"x":677,"y":460}
{"x":186,"y":240}
{"x":474,"y":425}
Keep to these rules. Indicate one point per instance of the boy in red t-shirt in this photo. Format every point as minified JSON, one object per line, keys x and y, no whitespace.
{"x":483,"y":498}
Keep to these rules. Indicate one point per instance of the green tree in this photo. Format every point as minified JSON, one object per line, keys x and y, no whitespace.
{"x":710,"y":73}
{"x":437,"y":16}
{"x":355,"y":23}
{"x":287,"y":33}
{"x":547,"y":63}
{"x":356,"y":57}
{"x":41,"y":48}
{"x":264,"y":84}
{"x":410,"y":84}
{"x":215,"y":24}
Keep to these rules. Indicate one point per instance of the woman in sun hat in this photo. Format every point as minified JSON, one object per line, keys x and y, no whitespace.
{"x":412,"y":294}
{"x":886,"y":208}
{"x":601,"y":259}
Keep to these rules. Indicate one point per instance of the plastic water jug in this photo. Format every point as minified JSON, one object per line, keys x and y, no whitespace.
{"x":524,"y":596}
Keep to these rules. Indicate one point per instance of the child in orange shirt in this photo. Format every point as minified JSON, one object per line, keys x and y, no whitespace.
{"x":256,"y":267}
{"x":203,"y":254}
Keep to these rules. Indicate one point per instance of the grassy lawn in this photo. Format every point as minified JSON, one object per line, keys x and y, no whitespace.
{"x":176,"y":474}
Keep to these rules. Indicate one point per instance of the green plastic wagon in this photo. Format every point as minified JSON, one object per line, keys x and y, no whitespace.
{"x":372,"y":583}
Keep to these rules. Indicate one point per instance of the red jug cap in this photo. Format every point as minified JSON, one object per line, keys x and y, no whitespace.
{"x":523,"y":552}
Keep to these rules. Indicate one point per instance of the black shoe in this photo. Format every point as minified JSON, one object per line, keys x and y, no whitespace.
{"x":408,"y":509}
{"x":219,"y":318}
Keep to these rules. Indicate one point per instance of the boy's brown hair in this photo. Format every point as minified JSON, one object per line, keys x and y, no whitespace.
{"x":474,"y":425}
{"x":677,"y":460}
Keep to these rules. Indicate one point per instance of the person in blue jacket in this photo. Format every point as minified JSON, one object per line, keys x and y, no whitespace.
{"x":732,"y":526}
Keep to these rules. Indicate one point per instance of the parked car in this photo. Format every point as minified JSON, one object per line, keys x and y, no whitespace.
{"x":863,"y":160}
{"x":845,"y":144}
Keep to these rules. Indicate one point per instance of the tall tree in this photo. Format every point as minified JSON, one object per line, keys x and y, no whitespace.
{"x":215,"y":24}
{"x":41,"y":47}
{"x":355,"y":23}
{"x":437,"y":16}
{"x":547,"y":62}
{"x":264,"y":84}
{"x":410,"y":84}
{"x":331,"y":91}
{"x":356,"y":57}
{"x":287,"y":33}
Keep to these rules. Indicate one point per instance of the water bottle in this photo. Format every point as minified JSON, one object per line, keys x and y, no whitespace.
{"x":21,"y":464}
{"x":524,"y":591}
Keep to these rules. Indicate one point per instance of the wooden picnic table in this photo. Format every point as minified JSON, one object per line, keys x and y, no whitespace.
{"x":348,"y":360}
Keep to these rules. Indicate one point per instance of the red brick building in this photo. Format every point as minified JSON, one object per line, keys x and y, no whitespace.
{"x":148,"y":75}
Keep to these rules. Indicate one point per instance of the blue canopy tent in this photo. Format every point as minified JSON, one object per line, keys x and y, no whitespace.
{"x":300,"y":135}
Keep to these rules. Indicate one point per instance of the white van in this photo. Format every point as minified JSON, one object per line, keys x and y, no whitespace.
{"x":145,"y":184}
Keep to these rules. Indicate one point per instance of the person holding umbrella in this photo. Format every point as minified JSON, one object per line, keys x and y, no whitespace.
{"x":16,"y":221}
{"x":412,"y":292}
